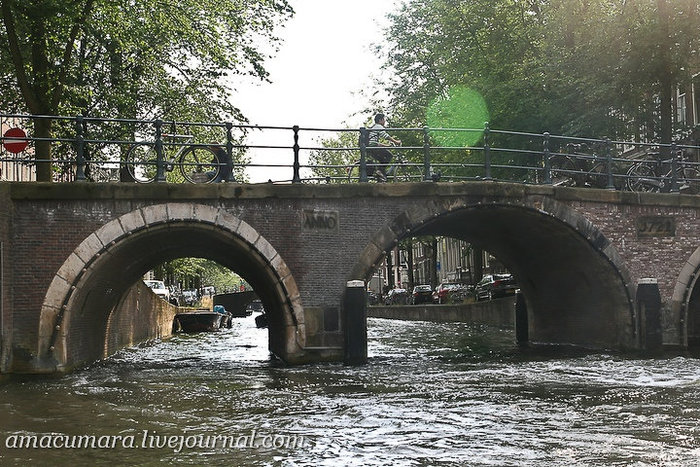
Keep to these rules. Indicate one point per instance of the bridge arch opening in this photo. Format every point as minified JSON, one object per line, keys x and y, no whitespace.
{"x":111,"y":261}
{"x":575,"y":287}
{"x":686,"y":296}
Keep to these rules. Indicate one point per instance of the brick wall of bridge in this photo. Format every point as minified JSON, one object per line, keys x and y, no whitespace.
{"x":6,"y":323}
{"x":658,"y":257}
{"x":49,"y":222}
{"x":43,"y":235}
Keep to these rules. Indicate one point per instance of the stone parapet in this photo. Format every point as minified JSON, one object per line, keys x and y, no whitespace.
{"x":499,"y":312}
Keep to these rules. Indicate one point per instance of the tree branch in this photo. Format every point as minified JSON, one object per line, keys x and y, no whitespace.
{"x":67,"y":53}
{"x":29,"y":93}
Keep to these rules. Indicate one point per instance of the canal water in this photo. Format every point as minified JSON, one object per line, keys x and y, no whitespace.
{"x":431,"y":394}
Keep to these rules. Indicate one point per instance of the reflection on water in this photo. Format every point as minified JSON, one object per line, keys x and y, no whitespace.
{"x":432,"y":394}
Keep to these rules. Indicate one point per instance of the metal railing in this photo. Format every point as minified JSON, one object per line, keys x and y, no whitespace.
{"x":94,"y":149}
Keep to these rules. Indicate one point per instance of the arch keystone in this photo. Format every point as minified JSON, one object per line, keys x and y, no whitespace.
{"x":179,"y":211}
{"x":205,"y":213}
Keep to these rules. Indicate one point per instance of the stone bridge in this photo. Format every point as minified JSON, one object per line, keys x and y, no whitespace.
{"x":70,"y":253}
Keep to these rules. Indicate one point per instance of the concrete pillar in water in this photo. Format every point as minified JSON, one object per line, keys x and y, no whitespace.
{"x":521,"y":325}
{"x":649,"y":314}
{"x":355,"y":307}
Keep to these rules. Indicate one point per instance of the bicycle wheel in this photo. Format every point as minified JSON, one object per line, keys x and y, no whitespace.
{"x":402,"y":172}
{"x":564,"y":172}
{"x":199,"y":164}
{"x":141,"y":162}
{"x":598,"y":175}
{"x":353,"y":172}
{"x":641,"y":178}
{"x":690,"y":182}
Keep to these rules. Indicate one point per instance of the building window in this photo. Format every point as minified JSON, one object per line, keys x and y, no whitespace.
{"x":681,"y":109}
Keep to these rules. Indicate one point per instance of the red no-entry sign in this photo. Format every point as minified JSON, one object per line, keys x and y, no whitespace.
{"x":17,"y":143}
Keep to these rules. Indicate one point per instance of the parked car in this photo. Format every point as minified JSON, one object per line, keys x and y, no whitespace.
{"x":159,"y":288}
{"x":421,"y":294}
{"x":255,"y":306}
{"x":396,"y":297}
{"x":494,"y":286}
{"x":450,"y":292}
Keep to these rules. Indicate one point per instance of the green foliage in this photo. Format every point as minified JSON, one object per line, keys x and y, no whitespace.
{"x":193,"y":273}
{"x":583,"y":67}
{"x":462,"y":108}
{"x":132,"y":59}
{"x":331,"y":164}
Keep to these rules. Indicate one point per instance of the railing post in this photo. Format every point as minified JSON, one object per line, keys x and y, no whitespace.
{"x":160,"y":160}
{"x":80,"y":150}
{"x":427,"y":176}
{"x":547,"y":159}
{"x":609,"y":164}
{"x":297,"y":177}
{"x":674,"y":169}
{"x":229,"y":152}
{"x":487,"y":152}
{"x":363,"y":154}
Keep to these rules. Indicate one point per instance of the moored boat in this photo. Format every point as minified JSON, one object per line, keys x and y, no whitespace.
{"x":199,"y":321}
{"x":236,"y":303}
{"x":261,"y":320}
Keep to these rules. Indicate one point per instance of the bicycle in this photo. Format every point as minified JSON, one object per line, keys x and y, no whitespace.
{"x":651,"y":176}
{"x":198,"y":163}
{"x":399,"y":171}
{"x":579,"y":169}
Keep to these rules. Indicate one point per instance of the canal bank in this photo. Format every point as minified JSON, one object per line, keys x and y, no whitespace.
{"x":499,"y":312}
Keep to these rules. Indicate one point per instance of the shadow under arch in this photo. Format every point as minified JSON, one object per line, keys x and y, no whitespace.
{"x":685,"y":302}
{"x":576,"y":287}
{"x":90,"y":283}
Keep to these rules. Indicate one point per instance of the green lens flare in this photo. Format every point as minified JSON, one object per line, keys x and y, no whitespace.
{"x":462,"y":108}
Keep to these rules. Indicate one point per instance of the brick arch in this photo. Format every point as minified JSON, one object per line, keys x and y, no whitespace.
{"x":686,"y":283}
{"x":572,"y":236}
{"x":111,"y":244}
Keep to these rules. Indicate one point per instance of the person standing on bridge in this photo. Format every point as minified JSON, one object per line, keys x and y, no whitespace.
{"x":378,"y":141}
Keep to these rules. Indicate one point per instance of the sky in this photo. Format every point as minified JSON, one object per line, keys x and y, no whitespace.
{"x":324,"y":60}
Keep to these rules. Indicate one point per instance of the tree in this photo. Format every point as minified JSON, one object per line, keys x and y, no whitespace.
{"x":198,"y":272}
{"x":582,"y":67}
{"x":624,"y":60}
{"x":434,"y":45}
{"x":333,"y":162}
{"x":131,"y":58}
{"x":439,"y":49}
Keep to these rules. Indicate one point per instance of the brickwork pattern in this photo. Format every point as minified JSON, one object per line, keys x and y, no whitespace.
{"x":47,"y":224}
{"x":139,"y":317}
{"x":6,"y":318}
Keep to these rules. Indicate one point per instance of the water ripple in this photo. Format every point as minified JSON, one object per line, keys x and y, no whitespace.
{"x":431,"y":394}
